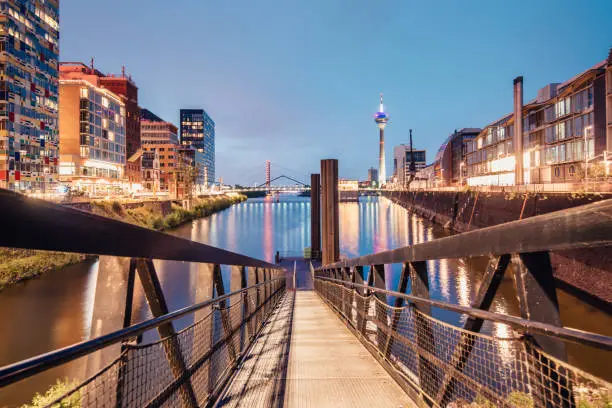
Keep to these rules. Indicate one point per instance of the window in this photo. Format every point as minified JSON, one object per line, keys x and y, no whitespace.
{"x":562,"y":107}
{"x":551,"y":134}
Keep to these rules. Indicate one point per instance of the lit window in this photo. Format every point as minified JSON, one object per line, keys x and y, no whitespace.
{"x":84,"y":93}
{"x":105,"y":101}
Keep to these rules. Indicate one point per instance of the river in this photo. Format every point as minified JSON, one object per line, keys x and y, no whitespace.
{"x":55,"y":310}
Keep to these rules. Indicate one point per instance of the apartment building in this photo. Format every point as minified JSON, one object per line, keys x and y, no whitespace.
{"x":563,"y":135}
{"x":92,"y":133}
{"x":29,"y":49}
{"x":155,"y":130}
{"x":402,"y":160}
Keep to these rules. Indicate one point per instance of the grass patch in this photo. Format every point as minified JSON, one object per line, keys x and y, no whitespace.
{"x":19,"y":264}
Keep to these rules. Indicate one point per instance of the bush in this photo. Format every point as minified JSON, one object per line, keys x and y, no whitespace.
{"x":118,"y":208}
{"x":520,"y":400}
{"x":54,"y":392}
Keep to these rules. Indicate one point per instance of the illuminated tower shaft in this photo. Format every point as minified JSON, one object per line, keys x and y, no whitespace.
{"x":382,"y":177}
{"x":381,"y":119}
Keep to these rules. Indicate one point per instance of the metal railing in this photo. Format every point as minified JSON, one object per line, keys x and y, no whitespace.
{"x":184,"y":368}
{"x":439,"y":364}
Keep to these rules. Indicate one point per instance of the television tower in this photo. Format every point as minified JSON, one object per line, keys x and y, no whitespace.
{"x":381,"y":120}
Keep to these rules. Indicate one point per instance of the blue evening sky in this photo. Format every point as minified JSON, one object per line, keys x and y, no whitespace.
{"x":298,"y":81}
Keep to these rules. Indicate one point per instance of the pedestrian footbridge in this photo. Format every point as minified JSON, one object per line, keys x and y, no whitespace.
{"x":302,"y":335}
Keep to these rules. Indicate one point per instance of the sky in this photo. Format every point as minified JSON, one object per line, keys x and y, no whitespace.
{"x":295,"y":82}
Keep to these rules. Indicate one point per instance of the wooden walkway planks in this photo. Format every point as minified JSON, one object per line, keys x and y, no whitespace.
{"x":325,"y":364}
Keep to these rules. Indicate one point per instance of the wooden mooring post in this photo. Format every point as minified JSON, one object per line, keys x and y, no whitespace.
{"x":329,"y":207}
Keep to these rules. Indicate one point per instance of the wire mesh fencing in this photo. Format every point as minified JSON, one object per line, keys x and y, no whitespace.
{"x":187,"y":369}
{"x":448,"y":366}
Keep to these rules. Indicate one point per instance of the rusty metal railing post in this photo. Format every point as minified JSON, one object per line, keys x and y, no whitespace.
{"x":419,"y":282}
{"x":535,"y":286}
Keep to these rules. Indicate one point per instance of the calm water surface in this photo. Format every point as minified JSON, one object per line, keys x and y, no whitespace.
{"x":55,"y":310}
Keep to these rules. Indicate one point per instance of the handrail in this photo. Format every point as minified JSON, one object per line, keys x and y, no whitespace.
{"x":31,"y":223}
{"x":26,"y":368}
{"x":579,"y":227}
{"x":573,"y":335}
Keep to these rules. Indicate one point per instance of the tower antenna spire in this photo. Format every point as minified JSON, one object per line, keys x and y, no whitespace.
{"x":381,"y":102}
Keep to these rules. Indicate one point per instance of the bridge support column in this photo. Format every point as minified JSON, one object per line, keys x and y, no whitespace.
{"x":329,"y":207}
{"x":315,"y":216}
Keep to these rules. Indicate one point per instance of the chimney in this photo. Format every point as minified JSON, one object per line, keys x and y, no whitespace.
{"x":518,"y":130}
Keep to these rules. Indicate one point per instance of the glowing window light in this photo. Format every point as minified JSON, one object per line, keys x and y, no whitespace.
{"x":505,"y":164}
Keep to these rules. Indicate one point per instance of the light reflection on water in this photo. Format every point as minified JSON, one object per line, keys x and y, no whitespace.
{"x":48,"y":313}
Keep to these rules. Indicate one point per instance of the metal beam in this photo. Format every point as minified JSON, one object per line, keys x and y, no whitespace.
{"x":521,"y":325}
{"x":419,"y":285}
{"x":86,"y":233}
{"x":535,"y":286}
{"x":484,"y":298}
{"x":573,"y":228}
{"x":226,"y":321}
{"x":157,"y":303}
{"x":399,"y":302}
{"x":378,"y":274}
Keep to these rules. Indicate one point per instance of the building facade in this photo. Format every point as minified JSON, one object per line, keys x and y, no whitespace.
{"x":563,"y":136}
{"x":92,"y":134}
{"x":176,"y":169}
{"x":151,"y":171}
{"x":402,"y":160}
{"x":449,"y":166}
{"x":373,"y":176}
{"x":123,"y":86}
{"x":197,"y":129}
{"x":29,"y":49}
{"x":154,"y":130}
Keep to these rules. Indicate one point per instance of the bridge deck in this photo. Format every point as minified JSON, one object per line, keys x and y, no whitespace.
{"x":306,"y":357}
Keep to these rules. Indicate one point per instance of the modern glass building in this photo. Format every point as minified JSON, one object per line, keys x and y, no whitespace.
{"x":29,"y":48}
{"x":197,"y":129}
{"x":92,"y":133}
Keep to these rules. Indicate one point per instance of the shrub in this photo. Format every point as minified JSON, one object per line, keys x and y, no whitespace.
{"x":54,"y":392}
{"x":520,"y":400}
{"x":117,"y":208}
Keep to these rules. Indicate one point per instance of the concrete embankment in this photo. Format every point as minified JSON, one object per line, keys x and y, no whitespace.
{"x":586,"y":272}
